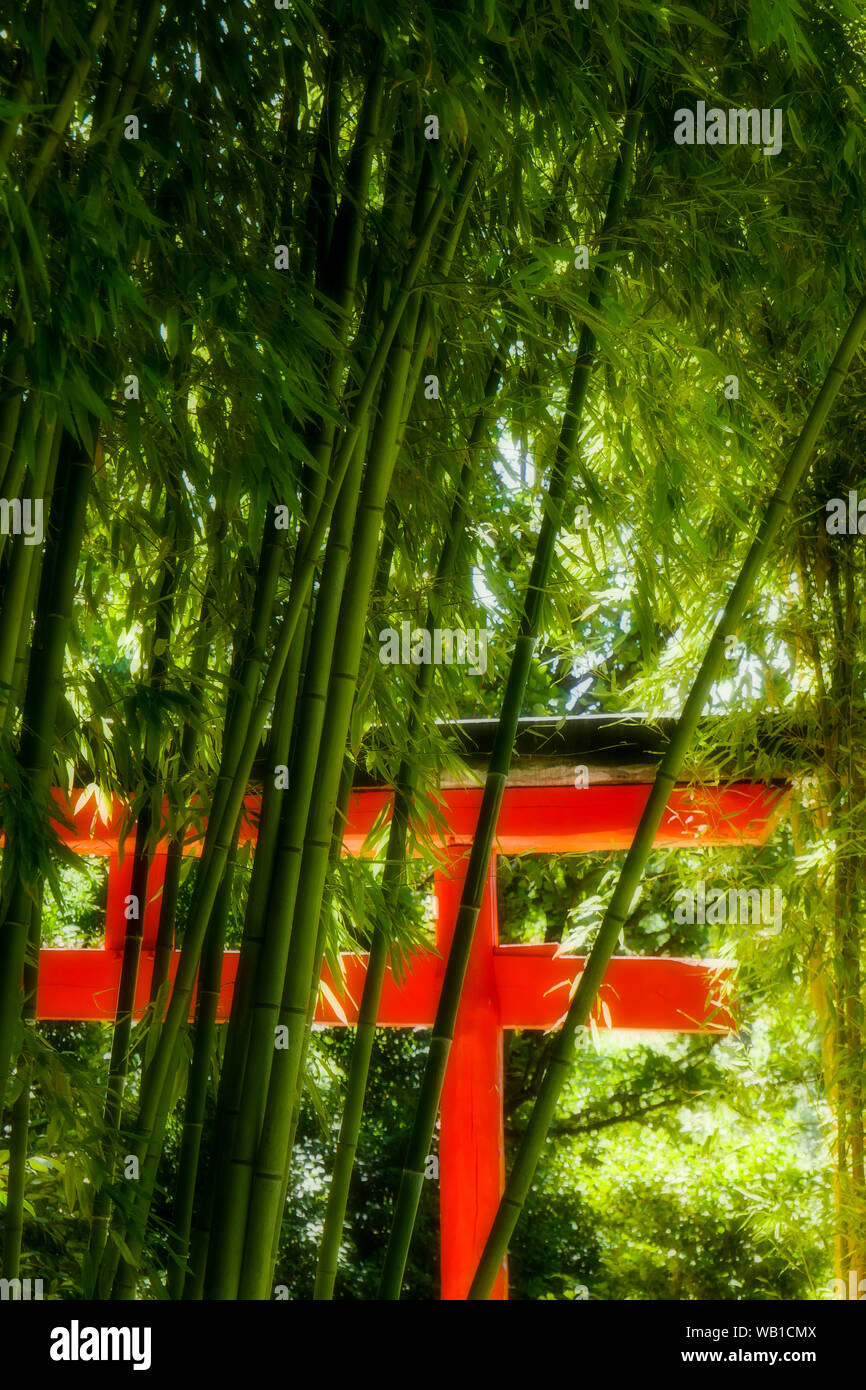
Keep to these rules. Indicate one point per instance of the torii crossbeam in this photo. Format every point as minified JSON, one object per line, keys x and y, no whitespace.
{"x":524,"y":986}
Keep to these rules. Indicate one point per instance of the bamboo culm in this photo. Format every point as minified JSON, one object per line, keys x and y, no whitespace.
{"x":393,"y":876}
{"x":272,"y":956}
{"x":13,"y":1224}
{"x":19,"y":591}
{"x":305,"y":776}
{"x":563,"y":467}
{"x":120,"y":1043}
{"x":216,"y":849}
{"x":241,"y":698}
{"x":237,"y":1038}
{"x":40,"y":711}
{"x":343,"y":799}
{"x":210,"y":981}
{"x":270,"y":1176}
{"x":264,"y":956}
{"x":272,"y":1156}
{"x":220,"y":828}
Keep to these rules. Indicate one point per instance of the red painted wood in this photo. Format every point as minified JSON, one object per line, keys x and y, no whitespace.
{"x":640,"y":992}
{"x":540,"y":819}
{"x":119,"y":888}
{"x":531,"y":986}
{"x":83,"y":984}
{"x":472,"y":1134}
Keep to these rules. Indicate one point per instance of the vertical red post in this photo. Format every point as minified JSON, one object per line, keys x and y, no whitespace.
{"x":472,"y":1137}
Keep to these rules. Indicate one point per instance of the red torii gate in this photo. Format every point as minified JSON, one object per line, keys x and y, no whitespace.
{"x":518,"y":986}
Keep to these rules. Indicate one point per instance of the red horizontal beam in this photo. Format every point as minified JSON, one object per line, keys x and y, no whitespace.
{"x":541,"y":819}
{"x":532,"y":987}
{"x":639,"y":992}
{"x":83,"y":984}
{"x":561,"y":819}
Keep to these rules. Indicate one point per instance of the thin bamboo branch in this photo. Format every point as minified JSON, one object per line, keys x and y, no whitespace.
{"x":500,"y":761}
{"x":562,"y":1058}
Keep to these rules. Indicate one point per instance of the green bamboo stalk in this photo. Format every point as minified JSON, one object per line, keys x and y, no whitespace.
{"x":210,"y":980}
{"x":118,"y":1280}
{"x":338,"y":273}
{"x":216,"y":845}
{"x":307,"y":561}
{"x":242,"y":697}
{"x":562,"y":1058}
{"x":233,"y":1182}
{"x":19,"y":592}
{"x":237,"y":1039}
{"x":164,"y":936}
{"x":116,"y":107}
{"x":174,"y":855}
{"x":13,"y":1222}
{"x":156,"y":1085}
{"x":271,"y":1165}
{"x":66,"y":528}
{"x":347,"y":779}
{"x":148,"y":819}
{"x":13,"y":1216}
{"x":394,"y":874}
{"x":15,"y":374}
{"x":110,"y":76}
{"x":123,"y":1285}
{"x":118,"y":1065}
{"x":23,"y":454}
{"x":20,"y":1116}
{"x":310,"y":869}
{"x":294,"y":95}
{"x":500,"y":761}
{"x":343,"y":797}
{"x":34,"y":581}
{"x":319,"y":218}
{"x":340,"y":285}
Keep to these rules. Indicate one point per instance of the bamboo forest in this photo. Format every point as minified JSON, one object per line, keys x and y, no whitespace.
{"x":432,"y":628}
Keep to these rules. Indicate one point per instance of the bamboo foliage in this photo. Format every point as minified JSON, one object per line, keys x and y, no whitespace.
{"x":345,"y":313}
{"x":230,"y":789}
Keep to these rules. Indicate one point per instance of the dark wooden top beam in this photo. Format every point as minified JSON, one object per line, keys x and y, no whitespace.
{"x":620,"y":748}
